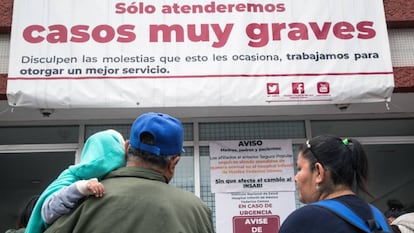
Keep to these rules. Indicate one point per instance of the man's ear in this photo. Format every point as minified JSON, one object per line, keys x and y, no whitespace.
{"x":126,"y":145}
{"x":169,"y":172}
{"x":173,"y":163}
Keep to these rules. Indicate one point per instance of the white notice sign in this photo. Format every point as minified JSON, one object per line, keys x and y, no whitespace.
{"x":256,"y":212}
{"x":251,"y":165}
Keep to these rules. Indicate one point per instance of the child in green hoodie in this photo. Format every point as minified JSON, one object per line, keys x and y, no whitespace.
{"x":103,"y":152}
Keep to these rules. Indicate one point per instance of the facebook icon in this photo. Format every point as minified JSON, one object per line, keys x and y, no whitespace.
{"x":298,"y":88}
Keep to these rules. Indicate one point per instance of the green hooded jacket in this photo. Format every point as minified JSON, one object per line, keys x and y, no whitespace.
{"x":103,"y":152}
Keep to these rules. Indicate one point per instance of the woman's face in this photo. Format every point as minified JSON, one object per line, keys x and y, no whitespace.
{"x":305,"y":179}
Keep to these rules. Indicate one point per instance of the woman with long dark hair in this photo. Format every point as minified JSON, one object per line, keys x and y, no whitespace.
{"x":330,"y":170}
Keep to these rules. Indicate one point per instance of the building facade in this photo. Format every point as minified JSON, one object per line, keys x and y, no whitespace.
{"x":36,"y":144}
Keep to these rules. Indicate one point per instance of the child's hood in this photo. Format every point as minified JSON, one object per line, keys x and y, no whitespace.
{"x":103,"y":152}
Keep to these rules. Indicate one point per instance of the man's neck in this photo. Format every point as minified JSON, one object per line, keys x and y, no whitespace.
{"x":142,"y":164}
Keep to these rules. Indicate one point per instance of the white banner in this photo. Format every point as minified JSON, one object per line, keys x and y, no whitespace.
{"x":251,"y":165}
{"x":261,"y":212}
{"x":77,"y":53}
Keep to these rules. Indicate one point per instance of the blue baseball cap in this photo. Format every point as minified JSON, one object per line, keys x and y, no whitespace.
{"x":166,"y":130}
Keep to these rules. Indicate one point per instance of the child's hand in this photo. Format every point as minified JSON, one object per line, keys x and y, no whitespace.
{"x":95,"y":187}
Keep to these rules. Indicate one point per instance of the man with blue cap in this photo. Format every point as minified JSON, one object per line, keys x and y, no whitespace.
{"x":138,"y":197}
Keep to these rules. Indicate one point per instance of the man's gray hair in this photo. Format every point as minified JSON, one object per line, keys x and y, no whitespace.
{"x":159,"y":160}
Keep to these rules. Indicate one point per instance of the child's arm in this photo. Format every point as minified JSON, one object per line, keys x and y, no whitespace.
{"x":64,"y":200}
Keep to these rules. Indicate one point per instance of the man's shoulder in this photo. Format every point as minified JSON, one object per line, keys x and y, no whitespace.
{"x":182,"y":193}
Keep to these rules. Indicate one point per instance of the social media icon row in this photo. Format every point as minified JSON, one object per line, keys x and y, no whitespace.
{"x":298,"y":88}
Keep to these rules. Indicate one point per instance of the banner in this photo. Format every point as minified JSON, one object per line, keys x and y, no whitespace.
{"x":77,"y":53}
{"x":251,"y":165}
{"x":261,"y":212}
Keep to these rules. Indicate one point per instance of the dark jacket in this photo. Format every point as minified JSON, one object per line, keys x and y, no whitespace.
{"x":138,"y":200}
{"x":315,"y":219}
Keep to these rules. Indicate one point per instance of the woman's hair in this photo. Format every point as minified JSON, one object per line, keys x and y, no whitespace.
{"x":344,"y":158}
{"x":395,"y":209}
{"x":26,"y":212}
